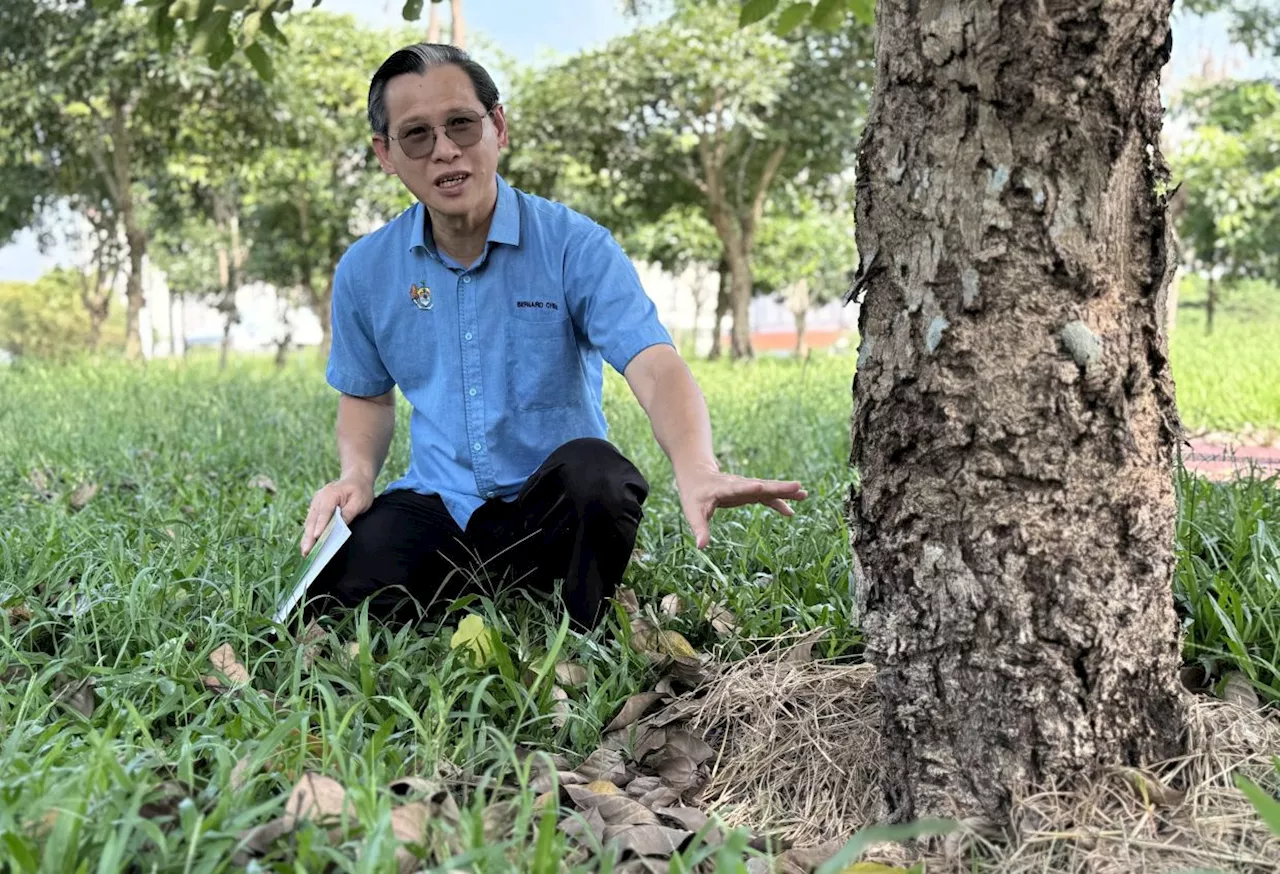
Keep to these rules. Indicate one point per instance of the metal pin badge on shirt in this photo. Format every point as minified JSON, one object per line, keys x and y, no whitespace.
{"x":421,"y":296}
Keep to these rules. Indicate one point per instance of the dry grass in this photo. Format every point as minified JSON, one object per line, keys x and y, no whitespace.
{"x":799,"y":756}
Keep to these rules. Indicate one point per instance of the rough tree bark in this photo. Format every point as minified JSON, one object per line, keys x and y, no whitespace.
{"x":135,"y":235}
{"x":722,"y":309}
{"x":1015,"y":422}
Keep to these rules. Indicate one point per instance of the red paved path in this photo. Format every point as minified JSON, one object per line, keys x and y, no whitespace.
{"x":1219,"y":461}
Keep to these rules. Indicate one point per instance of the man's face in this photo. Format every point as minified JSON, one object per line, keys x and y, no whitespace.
{"x":450,"y":179}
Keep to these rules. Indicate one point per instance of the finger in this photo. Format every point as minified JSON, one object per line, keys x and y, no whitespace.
{"x":698,"y":520}
{"x":781,"y":506}
{"x":307,"y":527}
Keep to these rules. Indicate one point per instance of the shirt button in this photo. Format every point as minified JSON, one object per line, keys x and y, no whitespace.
{"x":467,"y":336}
{"x":475,"y":446}
{"x":472,"y":392}
{"x":489,"y":494}
{"x":466,"y":279}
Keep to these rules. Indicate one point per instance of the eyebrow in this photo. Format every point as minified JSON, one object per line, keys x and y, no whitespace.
{"x":449,"y":113}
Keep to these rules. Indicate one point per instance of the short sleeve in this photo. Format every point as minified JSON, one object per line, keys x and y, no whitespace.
{"x":355,"y":367}
{"x":607,"y":301}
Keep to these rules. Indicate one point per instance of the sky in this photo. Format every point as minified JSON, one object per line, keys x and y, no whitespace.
{"x":532,"y":32}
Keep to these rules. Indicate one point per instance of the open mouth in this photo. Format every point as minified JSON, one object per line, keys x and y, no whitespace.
{"x":451,"y":181}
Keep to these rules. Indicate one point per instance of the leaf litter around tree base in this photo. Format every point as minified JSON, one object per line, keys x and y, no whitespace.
{"x":788,"y":749}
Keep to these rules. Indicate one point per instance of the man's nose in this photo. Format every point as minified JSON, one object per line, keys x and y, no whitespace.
{"x":444,"y":149}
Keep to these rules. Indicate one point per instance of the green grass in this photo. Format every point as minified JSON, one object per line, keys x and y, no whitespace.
{"x":179,"y":552}
{"x":1226,"y":379}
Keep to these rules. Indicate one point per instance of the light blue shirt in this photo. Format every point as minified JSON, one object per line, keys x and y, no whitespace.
{"x":501,"y":362}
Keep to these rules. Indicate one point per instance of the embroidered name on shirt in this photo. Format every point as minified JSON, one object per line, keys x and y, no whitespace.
{"x":537,"y":305}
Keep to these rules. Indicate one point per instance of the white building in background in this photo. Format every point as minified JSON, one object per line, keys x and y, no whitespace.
{"x":169,"y":325}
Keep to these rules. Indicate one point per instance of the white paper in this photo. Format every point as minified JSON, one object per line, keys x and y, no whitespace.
{"x":335,"y":534}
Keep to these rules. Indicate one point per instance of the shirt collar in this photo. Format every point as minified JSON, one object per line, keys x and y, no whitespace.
{"x":504,"y":228}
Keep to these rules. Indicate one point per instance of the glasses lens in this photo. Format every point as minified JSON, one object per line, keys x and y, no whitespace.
{"x":418,"y":142}
{"x":465,"y":130}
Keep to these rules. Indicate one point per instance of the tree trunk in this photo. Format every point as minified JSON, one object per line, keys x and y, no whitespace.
{"x":433,"y":22}
{"x":457,"y":25}
{"x":135,"y":236}
{"x":722,"y":309}
{"x":798,"y":302}
{"x":740,"y":304}
{"x":1015,"y":422}
{"x":1210,"y":302}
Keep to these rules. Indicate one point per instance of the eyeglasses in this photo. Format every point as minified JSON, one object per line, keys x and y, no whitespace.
{"x":464,"y":129}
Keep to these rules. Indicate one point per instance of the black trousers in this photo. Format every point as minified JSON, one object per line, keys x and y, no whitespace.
{"x":575,"y":520}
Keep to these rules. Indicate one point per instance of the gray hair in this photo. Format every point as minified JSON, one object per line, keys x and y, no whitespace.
{"x":418,"y":59}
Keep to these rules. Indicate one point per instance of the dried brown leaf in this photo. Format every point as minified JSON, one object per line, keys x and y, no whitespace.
{"x":316,"y":797}
{"x":545,"y":800}
{"x":547,"y":782}
{"x":257,"y":841}
{"x":688,"y":671}
{"x":674,"y":712}
{"x":650,"y":740}
{"x":670,"y":605}
{"x":634,"y":708}
{"x":560,"y":707}
{"x":225,"y":662}
{"x":683,"y":743}
{"x":84,"y":493}
{"x":644,"y":637}
{"x":630,"y":603}
{"x":411,"y":786}
{"x":74,"y":694}
{"x":723,"y":622}
{"x":1237,"y":690}
{"x":688,"y":818}
{"x":571,"y":675}
{"x":240,"y":774}
{"x":164,"y":800}
{"x":647,"y":840}
{"x":673,"y":643}
{"x":615,"y":809}
{"x":678,"y":772}
{"x":579,"y":824}
{"x":604,"y":765}
{"x":40,"y":482}
{"x":264,"y":482}
{"x":1151,"y":789}
{"x":311,"y":637}
{"x":498,"y":819}
{"x":409,"y":825}
{"x":641,"y":786}
{"x":20,"y":613}
{"x":663,"y":796}
{"x":802,"y":651}
{"x":666,"y":686}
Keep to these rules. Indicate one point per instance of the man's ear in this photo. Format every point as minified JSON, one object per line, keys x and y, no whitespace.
{"x":382,"y":148}
{"x":500,"y":126}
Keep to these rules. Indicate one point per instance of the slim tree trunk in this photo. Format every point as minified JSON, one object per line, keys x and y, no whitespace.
{"x":135,"y":235}
{"x":798,"y":302}
{"x":740,"y":304}
{"x":1015,"y":422}
{"x":1210,"y":302}
{"x":433,"y":22}
{"x":457,"y":24}
{"x":722,"y":309}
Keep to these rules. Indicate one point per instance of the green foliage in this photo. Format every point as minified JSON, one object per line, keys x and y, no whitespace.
{"x":806,"y":241}
{"x":1229,"y":169}
{"x":180,"y":552}
{"x":1264,"y":802}
{"x":46,"y":319}
{"x":680,"y":238}
{"x":1254,"y":23}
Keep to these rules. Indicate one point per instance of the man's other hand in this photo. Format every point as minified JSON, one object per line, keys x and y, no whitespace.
{"x":354,"y":496}
{"x":705,"y":489}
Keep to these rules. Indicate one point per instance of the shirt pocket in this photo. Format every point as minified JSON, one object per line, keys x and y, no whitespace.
{"x":543,"y":366}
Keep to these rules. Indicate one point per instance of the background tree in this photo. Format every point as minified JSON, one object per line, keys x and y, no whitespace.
{"x":91,"y":100}
{"x":47,"y":319}
{"x":1015,"y":423}
{"x":807,"y":255}
{"x":1228,"y":170}
{"x":683,"y":243}
{"x":695,"y":110}
{"x":319,"y":187}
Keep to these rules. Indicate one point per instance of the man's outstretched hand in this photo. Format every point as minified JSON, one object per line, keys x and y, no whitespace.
{"x":705,"y":489}
{"x":354,"y":496}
